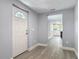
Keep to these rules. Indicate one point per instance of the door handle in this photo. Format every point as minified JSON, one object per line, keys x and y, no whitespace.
{"x":27,"y":33}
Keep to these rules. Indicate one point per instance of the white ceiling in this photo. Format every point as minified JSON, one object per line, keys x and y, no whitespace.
{"x":42,"y":6}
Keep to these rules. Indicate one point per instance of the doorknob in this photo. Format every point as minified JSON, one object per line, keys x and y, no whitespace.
{"x":27,"y":33}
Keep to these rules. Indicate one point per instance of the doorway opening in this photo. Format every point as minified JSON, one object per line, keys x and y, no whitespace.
{"x":55,"y":28}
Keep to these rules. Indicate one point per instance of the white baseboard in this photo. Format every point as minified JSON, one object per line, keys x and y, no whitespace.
{"x":76,"y":53}
{"x":42,"y":44}
{"x":11,"y":58}
{"x":70,"y":49}
{"x":34,"y":46}
{"x":67,"y":48}
{"x":31,"y":48}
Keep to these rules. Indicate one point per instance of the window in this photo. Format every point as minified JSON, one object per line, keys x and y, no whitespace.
{"x":20,"y":15}
{"x":58,"y":27}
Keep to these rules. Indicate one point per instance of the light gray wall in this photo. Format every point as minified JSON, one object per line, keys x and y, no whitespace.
{"x":43,"y":29}
{"x":76,"y":26}
{"x":33,"y":24}
{"x":5,"y":29}
{"x":68,"y":23}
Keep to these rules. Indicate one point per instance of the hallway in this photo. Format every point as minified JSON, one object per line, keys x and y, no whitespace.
{"x":49,"y":52}
{"x":25,"y":32}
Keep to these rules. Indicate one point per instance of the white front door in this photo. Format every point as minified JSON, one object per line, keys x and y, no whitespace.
{"x":19,"y":30}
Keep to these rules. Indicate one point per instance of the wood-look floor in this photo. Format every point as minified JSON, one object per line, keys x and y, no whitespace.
{"x":52,"y":51}
{"x":43,"y":53}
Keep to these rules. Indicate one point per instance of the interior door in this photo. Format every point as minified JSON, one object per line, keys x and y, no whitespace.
{"x":19,"y":31}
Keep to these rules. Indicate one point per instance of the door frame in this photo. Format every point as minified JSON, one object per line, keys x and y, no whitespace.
{"x":56,"y":14}
{"x":14,"y":5}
